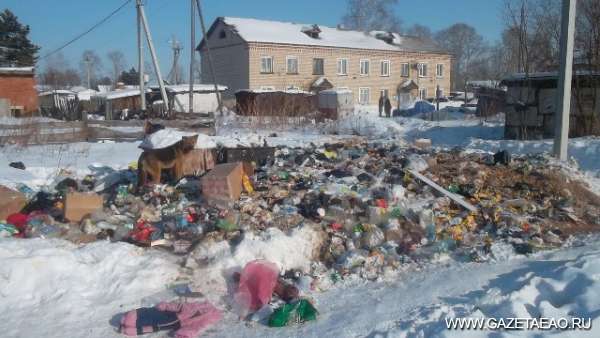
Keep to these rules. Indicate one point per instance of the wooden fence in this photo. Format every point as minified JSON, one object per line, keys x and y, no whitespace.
{"x":38,"y":133}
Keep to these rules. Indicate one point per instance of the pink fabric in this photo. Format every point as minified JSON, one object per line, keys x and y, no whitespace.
{"x":194,"y":317}
{"x":257,"y":283}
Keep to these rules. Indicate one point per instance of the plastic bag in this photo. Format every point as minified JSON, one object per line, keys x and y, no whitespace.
{"x":295,"y":313}
{"x":257,"y":283}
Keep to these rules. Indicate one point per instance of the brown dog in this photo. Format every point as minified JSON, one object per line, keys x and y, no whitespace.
{"x":153,"y":162}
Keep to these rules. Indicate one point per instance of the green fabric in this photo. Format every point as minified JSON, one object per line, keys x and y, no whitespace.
{"x":298,"y":312}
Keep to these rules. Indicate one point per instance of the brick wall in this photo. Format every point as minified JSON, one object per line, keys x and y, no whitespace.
{"x":280,"y":80}
{"x":20,"y":91}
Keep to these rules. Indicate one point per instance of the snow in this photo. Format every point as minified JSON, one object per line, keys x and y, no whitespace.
{"x":185,"y":88}
{"x":118,"y":94}
{"x":288,"y":251}
{"x":16,"y":70}
{"x":416,"y":302}
{"x":253,"y":30}
{"x":57,"y":91}
{"x":167,"y":137}
{"x":51,"y":288}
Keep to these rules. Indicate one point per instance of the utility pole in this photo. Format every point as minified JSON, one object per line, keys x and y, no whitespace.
{"x":174,"y":75}
{"x":192,"y":53}
{"x":210,"y":64}
{"x":141,"y":61}
{"x":88,"y":65}
{"x":563,"y":107}
{"x":161,"y":84}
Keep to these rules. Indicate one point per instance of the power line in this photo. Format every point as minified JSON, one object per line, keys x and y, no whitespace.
{"x":98,"y":24}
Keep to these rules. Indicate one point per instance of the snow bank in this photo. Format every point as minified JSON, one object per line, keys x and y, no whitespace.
{"x":214,"y":263}
{"x":52,"y":288}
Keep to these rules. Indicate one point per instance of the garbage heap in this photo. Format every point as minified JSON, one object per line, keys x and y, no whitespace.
{"x":379,"y":206}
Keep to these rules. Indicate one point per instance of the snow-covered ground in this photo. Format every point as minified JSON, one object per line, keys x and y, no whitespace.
{"x":50,"y":288}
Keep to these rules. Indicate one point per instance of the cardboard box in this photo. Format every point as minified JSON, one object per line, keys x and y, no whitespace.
{"x":79,"y":205}
{"x":223,"y":183}
{"x":198,"y":161}
{"x":11,"y":202}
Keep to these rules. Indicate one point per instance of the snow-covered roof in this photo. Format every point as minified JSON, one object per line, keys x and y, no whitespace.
{"x":254,"y":30}
{"x":16,"y":70}
{"x":262,"y":91}
{"x":185,"y":88}
{"x":57,"y":92}
{"x":119,"y":94}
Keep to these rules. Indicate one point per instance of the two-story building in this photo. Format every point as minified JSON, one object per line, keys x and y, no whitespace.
{"x":270,"y":55}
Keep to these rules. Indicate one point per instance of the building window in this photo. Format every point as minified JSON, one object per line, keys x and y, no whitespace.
{"x":364,"y":67}
{"x":223,"y":34}
{"x":342,"y":67}
{"x":292,"y":88}
{"x":364,"y":95}
{"x":385,"y":68}
{"x":422,"y":69}
{"x":439,"y":70}
{"x":292,"y":64}
{"x":405,"y":72}
{"x":318,"y":67}
{"x":423,"y":93}
{"x":266,"y":65}
{"x":384,"y":93}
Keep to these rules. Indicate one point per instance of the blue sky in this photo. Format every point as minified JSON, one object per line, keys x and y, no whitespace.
{"x":53,"y":22}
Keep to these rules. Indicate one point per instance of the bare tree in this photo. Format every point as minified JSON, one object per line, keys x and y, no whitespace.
{"x":420,"y":31}
{"x":90,"y":65}
{"x":369,"y":15}
{"x":58,"y":74}
{"x":467,"y":47}
{"x":117,"y":63}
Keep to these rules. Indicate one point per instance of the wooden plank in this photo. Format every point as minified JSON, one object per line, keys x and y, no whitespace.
{"x":456,"y":198}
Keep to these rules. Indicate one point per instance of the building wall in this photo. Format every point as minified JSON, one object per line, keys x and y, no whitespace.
{"x":536,"y":121}
{"x":230,"y":61}
{"x":20,"y":91}
{"x":280,"y":80}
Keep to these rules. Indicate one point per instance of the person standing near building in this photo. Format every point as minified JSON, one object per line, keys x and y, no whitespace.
{"x":381,"y":104}
{"x":388,"y":107}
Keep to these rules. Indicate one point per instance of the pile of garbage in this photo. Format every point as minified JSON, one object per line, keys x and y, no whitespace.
{"x":378,"y":205}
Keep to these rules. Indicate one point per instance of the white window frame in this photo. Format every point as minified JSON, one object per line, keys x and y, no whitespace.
{"x":367,"y":69}
{"x":421,"y":91}
{"x":422,"y":67}
{"x":339,"y":66}
{"x":287,"y":64}
{"x":263,"y":70}
{"x":438,"y":67}
{"x":323,"y":64}
{"x":360,"y":90}
{"x":405,"y":66}
{"x":389,"y":68}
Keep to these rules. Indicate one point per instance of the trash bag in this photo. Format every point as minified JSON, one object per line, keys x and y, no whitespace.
{"x":17,"y":165}
{"x":295,"y":313}
{"x":502,"y":157}
{"x":257,"y":283}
